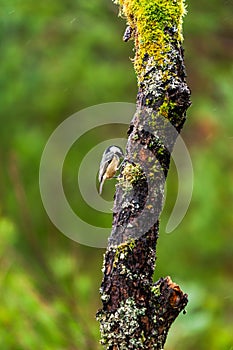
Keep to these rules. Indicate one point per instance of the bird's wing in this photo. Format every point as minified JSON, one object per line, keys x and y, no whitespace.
{"x":106,"y":160}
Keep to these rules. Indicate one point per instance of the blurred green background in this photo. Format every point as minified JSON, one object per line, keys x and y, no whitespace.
{"x":58,"y":57}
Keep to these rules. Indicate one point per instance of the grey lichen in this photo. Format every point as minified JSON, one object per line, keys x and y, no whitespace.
{"x":113,"y":326}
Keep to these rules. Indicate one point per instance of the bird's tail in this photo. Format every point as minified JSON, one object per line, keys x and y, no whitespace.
{"x":101,"y":186}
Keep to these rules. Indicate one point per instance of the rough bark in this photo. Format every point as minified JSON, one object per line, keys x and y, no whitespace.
{"x":136,"y":312}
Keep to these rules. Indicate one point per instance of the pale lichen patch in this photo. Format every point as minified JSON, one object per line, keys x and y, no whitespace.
{"x":128,"y":313}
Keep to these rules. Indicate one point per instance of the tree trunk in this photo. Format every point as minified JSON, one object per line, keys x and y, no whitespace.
{"x":138,"y":313}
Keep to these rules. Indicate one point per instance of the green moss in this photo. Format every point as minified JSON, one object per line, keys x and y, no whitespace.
{"x":156,"y":290}
{"x":150,"y":20}
{"x":135,"y":137}
{"x":132,"y":173}
{"x":166,"y":107}
{"x":122,"y":250}
{"x":143,"y":338}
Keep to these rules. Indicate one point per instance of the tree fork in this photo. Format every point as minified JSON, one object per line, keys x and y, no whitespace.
{"x":136,"y":312}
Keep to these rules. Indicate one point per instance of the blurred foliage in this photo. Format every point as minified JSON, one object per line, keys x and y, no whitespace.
{"x":58,"y":57}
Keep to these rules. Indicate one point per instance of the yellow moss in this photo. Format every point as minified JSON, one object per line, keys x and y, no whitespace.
{"x":166,"y":107}
{"x":122,"y":250}
{"x":149,"y":19}
{"x":132,"y":173}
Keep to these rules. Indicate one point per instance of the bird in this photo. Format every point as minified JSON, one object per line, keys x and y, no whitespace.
{"x":109,"y":164}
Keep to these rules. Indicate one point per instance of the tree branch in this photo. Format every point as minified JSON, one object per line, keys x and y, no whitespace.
{"x":136,"y":313}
